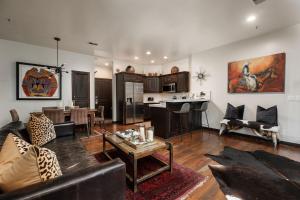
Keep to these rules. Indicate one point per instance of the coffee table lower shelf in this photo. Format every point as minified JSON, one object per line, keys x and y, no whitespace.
{"x":134,"y":158}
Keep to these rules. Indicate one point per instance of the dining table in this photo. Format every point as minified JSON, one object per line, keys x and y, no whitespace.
{"x":91,"y":115}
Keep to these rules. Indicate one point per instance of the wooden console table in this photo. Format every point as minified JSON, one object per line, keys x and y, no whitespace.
{"x":135,"y":154}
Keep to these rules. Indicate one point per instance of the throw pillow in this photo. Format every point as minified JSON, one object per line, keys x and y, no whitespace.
{"x":267,"y":116}
{"x":234,"y":112}
{"x":41,"y":129}
{"x":34,"y":166}
{"x":13,"y":147}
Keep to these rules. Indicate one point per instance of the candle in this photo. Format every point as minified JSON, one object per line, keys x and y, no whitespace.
{"x":150,"y":134}
{"x":142,"y":133}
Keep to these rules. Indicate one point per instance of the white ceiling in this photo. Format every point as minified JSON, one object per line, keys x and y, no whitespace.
{"x":128,"y":28}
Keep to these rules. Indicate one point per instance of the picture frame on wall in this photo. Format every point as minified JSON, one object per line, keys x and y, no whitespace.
{"x":37,"y":82}
{"x":258,"y":75}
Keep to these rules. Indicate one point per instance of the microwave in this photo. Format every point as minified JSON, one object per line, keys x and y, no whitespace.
{"x":171,"y":87}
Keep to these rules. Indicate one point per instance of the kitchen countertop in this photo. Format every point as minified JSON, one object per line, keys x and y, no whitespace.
{"x":164,"y":105}
{"x":185,"y":100}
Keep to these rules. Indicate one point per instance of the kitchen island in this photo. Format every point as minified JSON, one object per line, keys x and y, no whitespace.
{"x":166,"y":123}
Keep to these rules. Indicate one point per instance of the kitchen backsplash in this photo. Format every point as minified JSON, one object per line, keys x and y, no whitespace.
{"x":157,"y":97}
{"x":164,"y":96}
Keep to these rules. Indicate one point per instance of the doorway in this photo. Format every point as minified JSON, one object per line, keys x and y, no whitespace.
{"x":81,"y":89}
{"x":103,"y":95}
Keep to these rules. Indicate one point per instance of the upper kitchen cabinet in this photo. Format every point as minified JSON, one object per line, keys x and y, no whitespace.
{"x":168,"y":78}
{"x":130,"y":77}
{"x":151,"y":84}
{"x":183,"y":82}
{"x":181,"y":79}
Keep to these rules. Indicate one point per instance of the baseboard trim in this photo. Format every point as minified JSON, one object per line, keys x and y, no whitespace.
{"x":289,"y":143}
{"x":253,"y":136}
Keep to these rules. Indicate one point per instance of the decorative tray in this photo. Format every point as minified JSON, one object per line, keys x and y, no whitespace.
{"x":138,"y":144}
{"x":125,"y":135}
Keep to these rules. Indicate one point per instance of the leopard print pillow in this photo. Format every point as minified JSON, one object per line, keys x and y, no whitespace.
{"x":22,"y":145}
{"x":41,"y":129}
{"x":47,"y":163}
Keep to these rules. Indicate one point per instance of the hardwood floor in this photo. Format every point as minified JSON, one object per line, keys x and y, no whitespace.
{"x":190,"y":153}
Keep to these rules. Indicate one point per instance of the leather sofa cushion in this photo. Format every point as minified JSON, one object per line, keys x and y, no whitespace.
{"x":23,"y":164}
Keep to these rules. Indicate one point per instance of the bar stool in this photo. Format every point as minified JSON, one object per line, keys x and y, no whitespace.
{"x":202,"y":109}
{"x":183,"y":113}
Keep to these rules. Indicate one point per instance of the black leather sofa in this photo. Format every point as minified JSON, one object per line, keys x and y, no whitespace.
{"x":83,"y":177}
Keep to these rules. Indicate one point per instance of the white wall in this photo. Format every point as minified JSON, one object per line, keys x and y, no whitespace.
{"x":183,"y":65}
{"x":103,"y":72}
{"x":215,"y":62}
{"x":11,"y":52}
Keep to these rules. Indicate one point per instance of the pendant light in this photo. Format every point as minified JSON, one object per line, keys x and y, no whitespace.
{"x":59,"y":69}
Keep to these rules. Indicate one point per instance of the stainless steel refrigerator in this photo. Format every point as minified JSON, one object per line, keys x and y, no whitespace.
{"x":134,"y":112}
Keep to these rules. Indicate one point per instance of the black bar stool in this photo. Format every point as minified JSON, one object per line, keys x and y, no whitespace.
{"x":183,"y":114}
{"x":202,"y":109}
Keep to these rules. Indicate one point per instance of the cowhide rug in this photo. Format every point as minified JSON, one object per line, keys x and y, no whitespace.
{"x":256,"y":175}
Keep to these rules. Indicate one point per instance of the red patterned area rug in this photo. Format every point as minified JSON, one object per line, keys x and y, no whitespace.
{"x":165,"y":186}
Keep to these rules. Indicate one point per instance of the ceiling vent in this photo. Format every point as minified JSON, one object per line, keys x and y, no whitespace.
{"x":256,"y":2}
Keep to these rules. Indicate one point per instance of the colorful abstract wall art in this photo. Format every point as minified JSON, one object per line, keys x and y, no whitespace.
{"x":257,"y":75}
{"x":38,"y":82}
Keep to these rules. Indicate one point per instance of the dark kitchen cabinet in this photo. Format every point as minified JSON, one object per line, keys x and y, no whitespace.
{"x":183,"y":82}
{"x":151,"y":85}
{"x":181,"y":79}
{"x":129,"y":77}
{"x":169,"y":78}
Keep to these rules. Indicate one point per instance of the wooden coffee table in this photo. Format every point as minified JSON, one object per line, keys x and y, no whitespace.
{"x":135,"y":154}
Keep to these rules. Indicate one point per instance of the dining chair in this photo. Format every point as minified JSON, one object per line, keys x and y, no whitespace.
{"x":80,"y":117}
{"x":55,"y":115}
{"x":100,"y":119}
{"x":51,"y":107}
{"x":14,"y":115}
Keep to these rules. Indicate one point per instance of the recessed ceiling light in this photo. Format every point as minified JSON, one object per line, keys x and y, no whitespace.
{"x":152,"y":61}
{"x":136,"y":58}
{"x":106,"y":64}
{"x":165,"y":57}
{"x":251,"y":18}
{"x":148,"y":52}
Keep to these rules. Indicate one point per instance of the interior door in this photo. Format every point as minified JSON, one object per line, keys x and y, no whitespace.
{"x":103,"y":95}
{"x":81,"y":88}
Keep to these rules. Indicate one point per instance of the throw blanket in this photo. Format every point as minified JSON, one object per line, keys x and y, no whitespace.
{"x":256,"y":175}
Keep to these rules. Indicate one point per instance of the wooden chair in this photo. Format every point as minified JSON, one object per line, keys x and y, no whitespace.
{"x":47,"y":108}
{"x":100,"y":119}
{"x":14,"y":115}
{"x":80,"y":117}
{"x":55,"y":115}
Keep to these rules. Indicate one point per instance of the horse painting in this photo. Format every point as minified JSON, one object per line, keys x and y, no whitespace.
{"x":264,"y":74}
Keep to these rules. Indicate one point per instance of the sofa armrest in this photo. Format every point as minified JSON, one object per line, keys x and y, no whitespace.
{"x":103,"y":181}
{"x":64,"y":129}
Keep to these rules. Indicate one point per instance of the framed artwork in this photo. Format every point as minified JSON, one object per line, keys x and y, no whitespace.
{"x":257,"y":75}
{"x":38,"y":82}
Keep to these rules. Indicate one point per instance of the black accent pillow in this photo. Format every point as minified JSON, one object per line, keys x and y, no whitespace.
{"x":267,"y":116}
{"x":234,"y":112}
